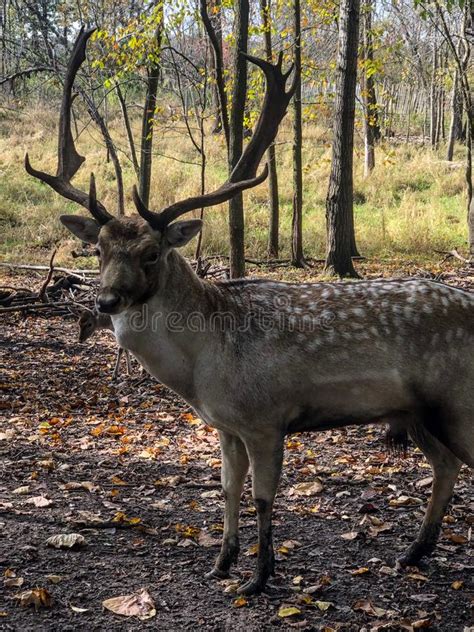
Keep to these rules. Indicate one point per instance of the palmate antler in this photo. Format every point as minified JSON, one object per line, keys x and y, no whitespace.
{"x":244,"y":175}
{"x":69,"y":160}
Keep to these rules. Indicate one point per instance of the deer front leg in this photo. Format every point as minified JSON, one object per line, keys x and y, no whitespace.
{"x":266,"y":458}
{"x":235,"y":465}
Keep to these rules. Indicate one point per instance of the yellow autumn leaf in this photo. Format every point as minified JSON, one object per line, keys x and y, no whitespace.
{"x":323,"y":605}
{"x":288,"y":611}
{"x":360,"y":571}
{"x":239,"y":602}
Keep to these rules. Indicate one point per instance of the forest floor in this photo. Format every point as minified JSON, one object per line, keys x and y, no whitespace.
{"x":127,"y":465}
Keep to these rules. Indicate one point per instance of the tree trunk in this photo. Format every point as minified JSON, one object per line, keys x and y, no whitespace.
{"x":371,"y":125}
{"x":218,"y":66}
{"x":128,"y":128}
{"x":297,"y":257}
{"x":239,"y":93}
{"x":216,"y":21}
{"x":339,"y":202}
{"x":274,"y":207}
{"x":110,"y":146}
{"x":433,"y":99}
{"x":146,"y":146}
{"x":409,"y":109}
{"x":455,"y":129}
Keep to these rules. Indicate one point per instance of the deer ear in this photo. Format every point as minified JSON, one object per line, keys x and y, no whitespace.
{"x":83,"y":227}
{"x":179,"y":233}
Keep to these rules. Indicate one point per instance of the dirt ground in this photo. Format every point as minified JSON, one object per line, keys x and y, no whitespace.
{"x":127,"y":465}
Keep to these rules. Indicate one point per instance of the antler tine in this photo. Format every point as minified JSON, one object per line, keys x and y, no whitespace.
{"x":69,"y":160}
{"x":244,"y":175}
{"x":152,"y":218}
{"x":97,"y":210}
{"x":220,"y":195}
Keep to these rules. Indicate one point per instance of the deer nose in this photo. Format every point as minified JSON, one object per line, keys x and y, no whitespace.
{"x":108,"y":301}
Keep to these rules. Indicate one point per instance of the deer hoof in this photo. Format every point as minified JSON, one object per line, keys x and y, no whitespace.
{"x":216,"y":573}
{"x":252,"y":587}
{"x":410,"y":558}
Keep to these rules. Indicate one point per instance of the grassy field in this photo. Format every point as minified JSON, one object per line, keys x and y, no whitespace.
{"x":412,"y":205}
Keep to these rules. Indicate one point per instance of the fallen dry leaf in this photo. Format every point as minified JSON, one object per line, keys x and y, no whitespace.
{"x":324,"y":605}
{"x":66,"y":540}
{"x":424,"y":482}
{"x":38,"y":597}
{"x":456,"y":585}
{"x":360,"y":571}
{"x":24,"y":489}
{"x":421,"y":623}
{"x":205,"y":539}
{"x":366,"y":605}
{"x":138,"y":604}
{"x":121,"y":518}
{"x":213,"y":493}
{"x":306,"y":489}
{"x":252,"y":550}
{"x":405,"y":501}
{"x":39,"y":501}
{"x":418,"y":577}
{"x":54,"y":579}
{"x":77,"y":609}
{"x":47,"y":464}
{"x":457,"y":538}
{"x":7,"y":435}
{"x":116,"y":480}
{"x":240,"y":602}
{"x":77,"y":485}
{"x":288,"y":611}
{"x":351,"y":535}
{"x":13,"y":582}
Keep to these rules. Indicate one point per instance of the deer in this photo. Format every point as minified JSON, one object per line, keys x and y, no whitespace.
{"x":258,"y":359}
{"x":92,"y":320}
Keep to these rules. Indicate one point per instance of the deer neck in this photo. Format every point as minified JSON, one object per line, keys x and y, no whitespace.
{"x":161,"y":333}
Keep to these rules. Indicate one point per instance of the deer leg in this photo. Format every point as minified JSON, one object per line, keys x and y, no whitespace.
{"x":129,"y":363}
{"x":445,"y":472}
{"x":117,"y":363}
{"x":266,"y":458}
{"x":235,"y":465}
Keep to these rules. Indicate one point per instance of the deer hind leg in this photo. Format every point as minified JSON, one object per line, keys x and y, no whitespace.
{"x":235,"y":465}
{"x":266,"y":459}
{"x":445,"y":472}
{"x":117,"y":363}
{"x":129,"y":362}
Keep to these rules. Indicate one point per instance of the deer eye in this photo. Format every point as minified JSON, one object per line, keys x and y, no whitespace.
{"x":151,"y":258}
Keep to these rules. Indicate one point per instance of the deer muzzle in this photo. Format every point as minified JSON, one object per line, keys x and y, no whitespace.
{"x":108,"y":301}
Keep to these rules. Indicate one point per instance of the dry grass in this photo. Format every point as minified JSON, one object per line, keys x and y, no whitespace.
{"x":413,"y":204}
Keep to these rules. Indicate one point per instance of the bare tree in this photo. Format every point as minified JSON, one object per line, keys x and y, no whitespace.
{"x":371,"y":126}
{"x":146,"y":156}
{"x":339,"y":201}
{"x":274,"y":203}
{"x":297,"y":257}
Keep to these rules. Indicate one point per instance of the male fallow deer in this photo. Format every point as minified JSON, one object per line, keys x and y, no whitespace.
{"x":89,"y":322}
{"x":259,"y":359}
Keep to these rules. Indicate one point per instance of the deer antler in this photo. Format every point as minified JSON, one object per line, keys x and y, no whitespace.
{"x":244,"y":173}
{"x":69,"y":160}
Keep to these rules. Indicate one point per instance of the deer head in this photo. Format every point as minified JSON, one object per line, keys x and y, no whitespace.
{"x":87,"y":324}
{"x":133,"y":250}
